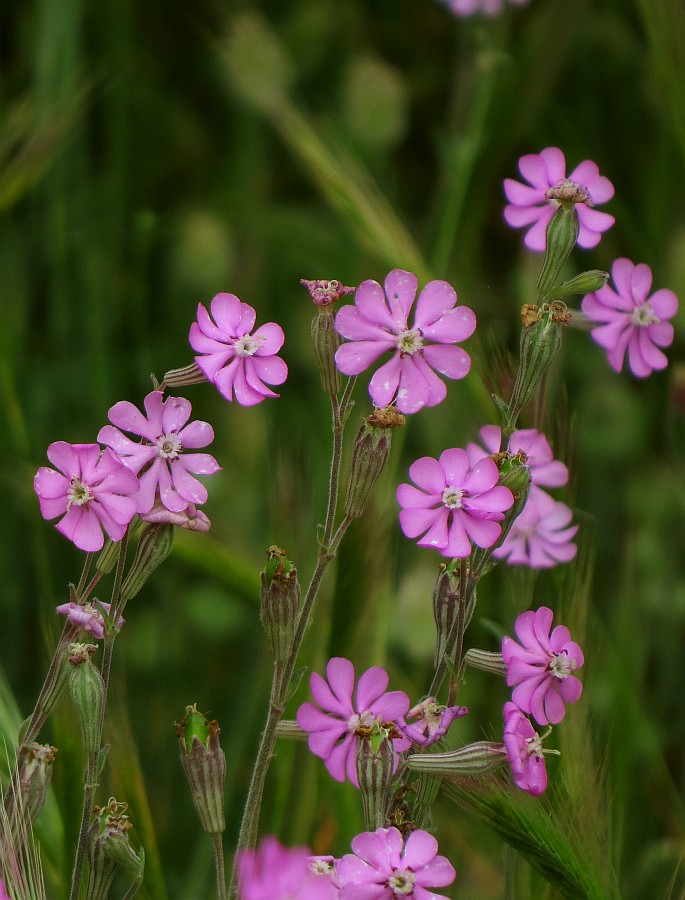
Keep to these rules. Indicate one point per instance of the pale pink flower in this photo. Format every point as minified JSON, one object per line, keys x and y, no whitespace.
{"x":631,"y":320}
{"x":95,"y":490}
{"x":454,"y":504}
{"x":487,"y":7}
{"x":432,"y":721}
{"x":384,"y":866}
{"x":161,"y":460}
{"x":333,"y":732}
{"x":542,"y":668}
{"x":541,"y":536}
{"x":529,"y":207}
{"x":545,"y":471}
{"x":524,"y":750}
{"x":237,"y":359}
{"x":191,"y":518}
{"x":274,"y":872}
{"x":88,"y":617}
{"x":378,"y":324}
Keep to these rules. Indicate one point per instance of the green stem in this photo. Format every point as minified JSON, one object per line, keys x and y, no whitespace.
{"x":90,"y":785}
{"x":219,"y":863}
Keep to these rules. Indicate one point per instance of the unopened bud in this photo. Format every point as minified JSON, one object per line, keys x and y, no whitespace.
{"x":472,"y":759}
{"x":485,"y":660}
{"x":88,"y":693}
{"x":446,"y":601}
{"x":369,"y":456}
{"x":561,"y":236}
{"x":154,"y":545}
{"x":188,"y":375}
{"x":326,"y":341}
{"x":204,"y":763}
{"x":280,"y":603}
{"x":375,"y":762}
{"x":26,"y":793}
{"x":108,"y":556}
{"x":109,"y":851}
{"x":585,"y":283}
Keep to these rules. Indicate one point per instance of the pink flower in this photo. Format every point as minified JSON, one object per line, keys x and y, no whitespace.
{"x":333,"y":732}
{"x":161,"y":457}
{"x":529,"y":207}
{"x":432,"y":721}
{"x":273,"y":872}
{"x":385,"y":867}
{"x":542,"y":668}
{"x":487,"y":7}
{"x":87,"y":616}
{"x":237,"y":359}
{"x":191,"y":518}
{"x":378,"y":323}
{"x":524,"y":750}
{"x":631,"y":320}
{"x":541,"y":535}
{"x":3,"y":891}
{"x":545,"y":471}
{"x":455,"y":503}
{"x":94,"y":490}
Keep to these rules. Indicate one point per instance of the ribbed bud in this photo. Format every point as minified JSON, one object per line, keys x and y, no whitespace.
{"x":561,"y":236}
{"x":27,"y":790}
{"x":472,"y":759}
{"x":154,"y":545}
{"x":427,"y":789}
{"x":88,"y":693}
{"x":369,"y":456}
{"x":585,"y":283}
{"x":326,"y":341}
{"x":446,"y":599}
{"x":375,"y":760}
{"x":109,"y":851}
{"x":205,"y":766}
{"x":188,"y":375}
{"x":108,"y":556}
{"x":279,"y":603}
{"x":486,"y":661}
{"x":289,"y":730}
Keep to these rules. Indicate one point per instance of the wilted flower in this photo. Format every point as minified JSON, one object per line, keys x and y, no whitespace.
{"x":541,"y":535}
{"x":542,"y":669}
{"x":455,"y":503}
{"x":237,"y":359}
{"x":191,"y":518}
{"x":432,"y":721}
{"x":524,"y":749}
{"x":378,"y":323}
{"x":94,"y":490}
{"x":529,"y":207}
{"x":334,"y":733}
{"x":87,"y":616}
{"x":274,"y":872}
{"x":632,"y":321}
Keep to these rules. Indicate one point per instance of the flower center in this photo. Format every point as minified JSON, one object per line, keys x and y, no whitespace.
{"x":79,"y":493}
{"x":248,"y":345}
{"x":320,"y":867}
{"x":401,"y":882}
{"x":452,"y":497}
{"x":643,"y":315}
{"x":409,"y":341}
{"x":561,"y":666}
{"x":169,"y":446}
{"x":568,"y":193}
{"x":535,"y":746}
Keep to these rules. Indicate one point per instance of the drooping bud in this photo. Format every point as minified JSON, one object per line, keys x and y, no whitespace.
{"x":204,"y":763}
{"x":109,"y":851}
{"x":486,"y":661}
{"x":585,"y":283}
{"x":472,"y":759}
{"x":154,"y":545}
{"x":185,"y":376}
{"x":369,"y":456}
{"x":326,"y":340}
{"x":26,"y":793}
{"x":375,"y":761}
{"x":279,"y":603}
{"x":446,"y":602}
{"x":88,"y":693}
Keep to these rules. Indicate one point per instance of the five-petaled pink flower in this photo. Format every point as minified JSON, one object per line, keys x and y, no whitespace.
{"x":529,"y":207}
{"x":166,"y":469}
{"x":432,"y":721}
{"x":524,"y":751}
{"x":378,"y":323}
{"x":541,"y":536}
{"x":88,"y":617}
{"x":237,"y":359}
{"x":487,"y":7}
{"x":542,"y":669}
{"x":93,"y":488}
{"x":455,"y":503}
{"x":274,"y":872}
{"x":333,"y":732}
{"x":384,"y":866}
{"x":631,"y":320}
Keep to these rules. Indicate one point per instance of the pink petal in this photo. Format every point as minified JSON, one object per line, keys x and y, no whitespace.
{"x":483,"y":532}
{"x":82,"y":527}
{"x":523,"y":195}
{"x":371,"y":304}
{"x":400,"y":289}
{"x":420,"y":849}
{"x":419,"y":521}
{"x":410,"y":497}
{"x":428,"y":474}
{"x":436,"y":299}
{"x":453,"y":362}
{"x":664,"y":303}
{"x":227,"y":311}
{"x":272,"y":369}
{"x":356,"y":356}
{"x":370,"y":687}
{"x":51,"y":485}
{"x":271,"y":337}
{"x":455,"y":325}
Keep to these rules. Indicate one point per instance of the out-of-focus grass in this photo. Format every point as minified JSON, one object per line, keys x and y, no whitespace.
{"x":142,"y":172}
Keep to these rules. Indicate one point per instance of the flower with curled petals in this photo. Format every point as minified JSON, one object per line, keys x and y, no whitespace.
{"x":161,"y":460}
{"x":379,"y":323}
{"x":240,"y":361}
{"x":191,"y":518}
{"x":94,"y":489}
{"x":334,"y":727}
{"x":454,"y":503}
{"x":541,"y":536}
{"x":630,"y":321}
{"x":88,"y":617}
{"x":530,"y":208}
{"x":524,"y":751}
{"x":274,"y":872}
{"x":432,"y":721}
{"x":383,"y":866}
{"x":541,"y":667}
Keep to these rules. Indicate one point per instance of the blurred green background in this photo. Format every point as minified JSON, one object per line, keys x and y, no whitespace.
{"x":153,"y":154}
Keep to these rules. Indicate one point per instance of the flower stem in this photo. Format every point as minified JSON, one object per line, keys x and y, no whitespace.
{"x":219,"y":862}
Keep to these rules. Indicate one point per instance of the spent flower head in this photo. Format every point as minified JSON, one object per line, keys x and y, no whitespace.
{"x":432,"y":721}
{"x":324,"y":292}
{"x":524,"y":750}
{"x":88,"y":616}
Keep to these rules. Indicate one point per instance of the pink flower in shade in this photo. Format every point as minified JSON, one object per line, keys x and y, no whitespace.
{"x":529,"y":207}
{"x":88,"y":617}
{"x":237,"y":359}
{"x":541,"y":536}
{"x":524,"y":750}
{"x":432,"y":721}
{"x":455,"y":503}
{"x":378,"y":323}
{"x":167,"y":469}
{"x":631,"y":320}
{"x":273,"y":872}
{"x":542,"y":669}
{"x":384,"y":867}
{"x":191,"y":518}
{"x":333,"y":731}
{"x":487,"y":7}
{"x":94,"y":490}
{"x":3,"y":891}
{"x":545,"y":471}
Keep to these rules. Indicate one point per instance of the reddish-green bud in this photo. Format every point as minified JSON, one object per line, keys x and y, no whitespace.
{"x":326,"y":341}
{"x":26,"y":793}
{"x":279,"y":603}
{"x":188,"y":375}
{"x":369,"y":456}
{"x":204,"y":763}
{"x":375,"y":760}
{"x":447,"y":597}
{"x":485,"y":660}
{"x":154,"y":545}
{"x":109,"y":851}
{"x":88,"y":693}
{"x":473,"y":759}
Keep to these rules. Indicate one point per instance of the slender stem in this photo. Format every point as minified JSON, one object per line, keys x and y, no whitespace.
{"x":219,"y":861}
{"x":90,"y":785}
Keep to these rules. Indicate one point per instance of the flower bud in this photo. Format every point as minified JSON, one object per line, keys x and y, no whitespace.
{"x":88,"y":693}
{"x":188,"y":375}
{"x":562,"y":232}
{"x":375,"y":761}
{"x":154,"y":546}
{"x":204,"y":763}
{"x":26,"y":793}
{"x":369,"y":456}
{"x":108,"y":556}
{"x":109,"y":851}
{"x":486,"y":661}
{"x":326,"y":341}
{"x":427,"y":790}
{"x":585,"y":283}
{"x":280,"y":603}
{"x":446,"y":600}
{"x":472,"y":759}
